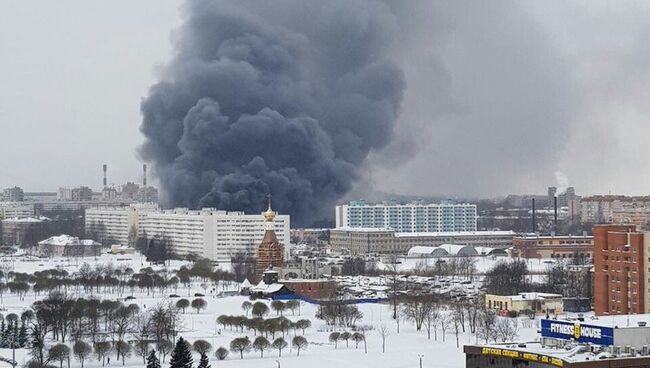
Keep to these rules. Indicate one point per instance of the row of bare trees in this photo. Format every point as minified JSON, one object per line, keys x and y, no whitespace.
{"x":108,"y":325}
{"x":425,"y":311}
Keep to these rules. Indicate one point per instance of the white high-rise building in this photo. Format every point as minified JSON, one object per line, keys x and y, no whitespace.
{"x":209,"y":233}
{"x":411,"y":217}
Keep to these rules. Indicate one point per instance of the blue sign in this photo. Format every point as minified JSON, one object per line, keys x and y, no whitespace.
{"x":577,"y":331}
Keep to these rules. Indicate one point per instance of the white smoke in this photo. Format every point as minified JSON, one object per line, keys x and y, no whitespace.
{"x":562,"y":182}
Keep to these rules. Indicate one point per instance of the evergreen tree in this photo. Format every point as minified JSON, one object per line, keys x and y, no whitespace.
{"x":22,"y":336}
{"x":204,"y":362}
{"x":152,"y":360}
{"x":181,"y":356}
{"x":5,"y":339}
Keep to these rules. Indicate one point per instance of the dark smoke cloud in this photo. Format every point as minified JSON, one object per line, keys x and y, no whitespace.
{"x":281,"y":97}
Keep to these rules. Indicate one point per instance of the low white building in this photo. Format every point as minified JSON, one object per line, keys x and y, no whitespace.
{"x":210,"y":233}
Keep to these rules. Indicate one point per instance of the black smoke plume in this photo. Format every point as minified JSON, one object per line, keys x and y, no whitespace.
{"x":280,"y":97}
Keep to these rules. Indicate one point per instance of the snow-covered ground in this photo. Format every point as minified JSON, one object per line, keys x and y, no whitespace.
{"x":401,"y":349}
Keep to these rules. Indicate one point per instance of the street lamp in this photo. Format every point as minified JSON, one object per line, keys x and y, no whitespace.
{"x":277,"y":361}
{"x":420,"y":356}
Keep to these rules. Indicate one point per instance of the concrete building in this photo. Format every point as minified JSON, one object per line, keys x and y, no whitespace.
{"x":637,"y":216}
{"x":412,"y":217}
{"x":147,"y":194}
{"x":24,"y":231}
{"x":16,"y":210}
{"x":620,"y":270}
{"x":14,"y":194}
{"x":213,"y":234}
{"x":109,"y":194}
{"x":387,"y":241}
{"x":600,"y":209}
{"x":68,"y":246}
{"x":536,"y":302}
{"x":536,"y":246}
{"x":78,"y":194}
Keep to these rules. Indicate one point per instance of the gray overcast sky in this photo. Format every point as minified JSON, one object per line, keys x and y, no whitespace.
{"x":72,"y":75}
{"x":500,"y":95}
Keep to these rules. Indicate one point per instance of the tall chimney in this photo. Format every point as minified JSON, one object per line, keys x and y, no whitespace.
{"x":105,"y":169}
{"x":555,"y":213}
{"x":534,"y":218}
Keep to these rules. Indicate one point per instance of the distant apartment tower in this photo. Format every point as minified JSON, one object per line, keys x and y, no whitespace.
{"x":147,"y":194}
{"x":129,"y":191}
{"x":14,"y":194}
{"x":412,"y":217}
{"x":78,"y":194}
{"x":602,"y":208}
{"x":620,"y":270}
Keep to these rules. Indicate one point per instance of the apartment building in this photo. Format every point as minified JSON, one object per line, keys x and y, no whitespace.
{"x":620,"y":270}
{"x":216,"y":235}
{"x":411,"y":217}
{"x":16,"y":210}
{"x":601,"y":209}
{"x":14,"y":194}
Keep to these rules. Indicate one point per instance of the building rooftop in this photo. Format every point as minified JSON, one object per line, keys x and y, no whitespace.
{"x":428,"y":233}
{"x":67,"y":240}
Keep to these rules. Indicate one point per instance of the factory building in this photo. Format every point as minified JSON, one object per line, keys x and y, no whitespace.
{"x":387,"y":241}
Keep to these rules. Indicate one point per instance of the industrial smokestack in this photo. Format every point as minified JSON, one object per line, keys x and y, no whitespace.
{"x":105,"y":169}
{"x":534,"y":218}
{"x":555,"y":213}
{"x":144,"y":175}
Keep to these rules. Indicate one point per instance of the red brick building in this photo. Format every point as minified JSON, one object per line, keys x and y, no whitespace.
{"x":315,"y":289}
{"x":619,"y":270}
{"x":567,"y":246}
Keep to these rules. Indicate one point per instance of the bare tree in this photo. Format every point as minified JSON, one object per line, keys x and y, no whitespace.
{"x":445,"y":322}
{"x":335,"y":337}
{"x":383,"y":332}
{"x":82,"y":351}
{"x":485,"y":328}
{"x":506,"y":329}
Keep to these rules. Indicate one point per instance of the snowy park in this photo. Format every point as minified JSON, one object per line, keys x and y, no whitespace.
{"x":115,"y":303}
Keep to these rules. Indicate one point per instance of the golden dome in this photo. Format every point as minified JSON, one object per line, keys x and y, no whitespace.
{"x":269,"y":215}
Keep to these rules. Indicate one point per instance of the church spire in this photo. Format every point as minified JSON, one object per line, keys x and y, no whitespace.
{"x":269,"y":215}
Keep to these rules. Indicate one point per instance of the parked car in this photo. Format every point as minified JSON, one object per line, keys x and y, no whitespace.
{"x":174,"y":296}
{"x":198,"y":294}
{"x":130,"y":297}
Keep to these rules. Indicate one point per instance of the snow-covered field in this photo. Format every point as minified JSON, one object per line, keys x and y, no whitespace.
{"x":401,"y":349}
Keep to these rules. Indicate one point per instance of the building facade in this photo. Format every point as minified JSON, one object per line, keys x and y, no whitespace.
{"x":412,"y":217}
{"x":553,"y":246}
{"x":523,"y":302}
{"x":78,"y":194}
{"x":14,"y":194}
{"x":16,"y":210}
{"x":620,"y":270}
{"x":387,"y":241}
{"x":216,"y":235}
{"x":601,"y":209}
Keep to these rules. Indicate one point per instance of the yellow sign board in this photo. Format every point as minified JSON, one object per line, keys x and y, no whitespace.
{"x":532,"y":357}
